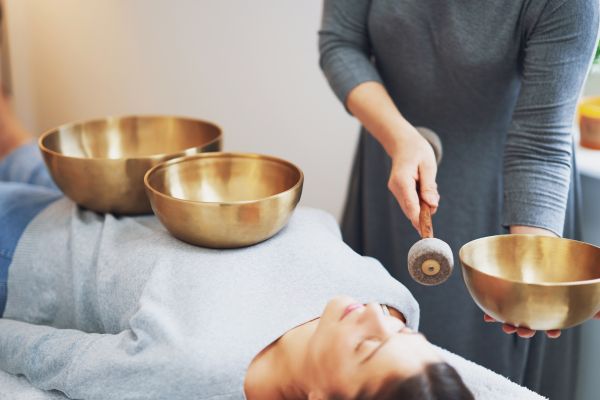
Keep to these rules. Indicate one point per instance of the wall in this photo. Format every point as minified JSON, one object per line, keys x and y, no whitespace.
{"x":252,"y":67}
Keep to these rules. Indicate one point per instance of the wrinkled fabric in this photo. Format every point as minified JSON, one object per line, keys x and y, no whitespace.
{"x":26,"y":188}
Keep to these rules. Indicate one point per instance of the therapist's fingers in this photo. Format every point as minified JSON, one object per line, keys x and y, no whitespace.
{"x":522,"y":332}
{"x":487,"y":318}
{"x":505,"y":327}
{"x":553,"y":334}
{"x":427,"y":185}
{"x":403,"y":186}
{"x":509,"y":329}
{"x":525,"y":333}
{"x":597,"y":315}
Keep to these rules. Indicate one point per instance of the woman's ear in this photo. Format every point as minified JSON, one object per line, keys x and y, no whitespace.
{"x":315,"y":395}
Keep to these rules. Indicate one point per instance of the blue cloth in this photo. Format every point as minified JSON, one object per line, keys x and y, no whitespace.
{"x":26,"y":188}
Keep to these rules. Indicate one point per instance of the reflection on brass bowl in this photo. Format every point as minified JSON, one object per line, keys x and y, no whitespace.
{"x":538,"y":282}
{"x":224,"y":200}
{"x":100,"y":164}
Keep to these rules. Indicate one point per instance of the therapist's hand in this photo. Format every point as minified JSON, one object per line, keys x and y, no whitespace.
{"x":522,"y":332}
{"x":531,"y":230}
{"x":413,"y":173}
{"x":413,"y":160}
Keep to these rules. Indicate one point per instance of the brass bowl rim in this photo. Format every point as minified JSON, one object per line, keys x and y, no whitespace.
{"x":48,"y":132}
{"x":540,"y":284}
{"x":222,"y":154}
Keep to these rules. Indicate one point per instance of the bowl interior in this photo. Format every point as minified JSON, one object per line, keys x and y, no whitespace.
{"x":224,"y":177}
{"x":130,"y":137}
{"x":533,"y":259}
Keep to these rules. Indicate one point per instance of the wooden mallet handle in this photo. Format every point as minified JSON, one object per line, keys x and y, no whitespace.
{"x":425,"y":225}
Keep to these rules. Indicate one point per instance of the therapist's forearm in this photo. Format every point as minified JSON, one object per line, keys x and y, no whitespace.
{"x":530,"y":230}
{"x":374,"y":108}
{"x":413,"y":169}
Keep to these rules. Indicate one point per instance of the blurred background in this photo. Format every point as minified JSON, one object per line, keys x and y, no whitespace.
{"x":251,"y":67}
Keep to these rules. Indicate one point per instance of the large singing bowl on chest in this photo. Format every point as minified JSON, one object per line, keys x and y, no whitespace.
{"x":224,"y":200}
{"x":538,"y":282}
{"x":100,"y":164}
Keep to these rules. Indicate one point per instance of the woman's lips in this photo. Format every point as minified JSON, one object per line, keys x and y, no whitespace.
{"x":351,"y":308}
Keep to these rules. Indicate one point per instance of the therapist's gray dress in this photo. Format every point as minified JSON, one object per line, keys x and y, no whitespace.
{"x":499,"y":82}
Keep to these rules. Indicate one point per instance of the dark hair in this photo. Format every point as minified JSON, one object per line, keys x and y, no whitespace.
{"x":439,"y":381}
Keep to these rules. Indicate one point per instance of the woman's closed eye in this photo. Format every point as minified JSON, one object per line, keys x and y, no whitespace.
{"x":367,"y":347}
{"x":367,"y":343}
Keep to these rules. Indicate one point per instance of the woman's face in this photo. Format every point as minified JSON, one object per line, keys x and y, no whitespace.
{"x":356,"y":347}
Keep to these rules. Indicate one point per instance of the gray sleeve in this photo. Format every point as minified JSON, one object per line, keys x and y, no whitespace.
{"x":537,"y":156}
{"x":344,"y":47}
{"x":94,"y":366}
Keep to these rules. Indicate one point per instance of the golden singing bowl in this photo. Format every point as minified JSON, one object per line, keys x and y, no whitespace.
{"x":100,"y":164}
{"x":538,"y":282}
{"x":224,"y":200}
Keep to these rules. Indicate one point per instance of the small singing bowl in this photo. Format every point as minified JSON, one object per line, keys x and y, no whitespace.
{"x":537,"y":282}
{"x":224,"y":200}
{"x":100,"y":164}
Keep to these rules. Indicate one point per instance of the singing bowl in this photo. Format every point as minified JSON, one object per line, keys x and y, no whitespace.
{"x":100,"y":164}
{"x":224,"y":200}
{"x":537,"y":282}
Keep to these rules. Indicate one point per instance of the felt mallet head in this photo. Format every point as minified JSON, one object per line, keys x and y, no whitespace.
{"x":430,"y":261}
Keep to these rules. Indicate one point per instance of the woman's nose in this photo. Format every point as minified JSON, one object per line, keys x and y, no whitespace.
{"x":374,"y":319}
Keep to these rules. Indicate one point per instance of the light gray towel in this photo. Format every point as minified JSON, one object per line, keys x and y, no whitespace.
{"x":485,"y":384}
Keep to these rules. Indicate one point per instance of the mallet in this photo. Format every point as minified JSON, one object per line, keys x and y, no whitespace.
{"x":430,"y":260}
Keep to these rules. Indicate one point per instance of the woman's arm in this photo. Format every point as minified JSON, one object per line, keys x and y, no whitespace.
{"x":128,"y":365}
{"x":530,"y":230}
{"x":537,"y":157}
{"x":345,"y":60}
{"x":413,"y":159}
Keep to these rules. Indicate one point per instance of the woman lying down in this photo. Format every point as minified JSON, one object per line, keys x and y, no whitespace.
{"x":100,"y":307}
